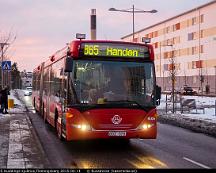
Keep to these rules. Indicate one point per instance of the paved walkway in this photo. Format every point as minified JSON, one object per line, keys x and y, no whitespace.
{"x":19,"y":145}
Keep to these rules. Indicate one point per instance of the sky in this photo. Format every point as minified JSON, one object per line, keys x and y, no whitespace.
{"x":41,"y":27}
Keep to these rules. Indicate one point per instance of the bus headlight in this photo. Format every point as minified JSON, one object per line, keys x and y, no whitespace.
{"x":82,"y":127}
{"x":145,"y":126}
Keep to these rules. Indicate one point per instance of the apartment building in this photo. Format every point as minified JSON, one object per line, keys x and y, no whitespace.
{"x":188,"y":40}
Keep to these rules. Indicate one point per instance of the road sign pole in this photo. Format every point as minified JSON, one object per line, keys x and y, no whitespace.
{"x":6,"y":67}
{"x":2,"y":75}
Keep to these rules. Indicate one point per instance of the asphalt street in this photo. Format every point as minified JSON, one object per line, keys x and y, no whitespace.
{"x":174,"y":148}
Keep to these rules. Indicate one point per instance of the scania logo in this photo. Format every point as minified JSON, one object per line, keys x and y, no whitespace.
{"x":116,"y":119}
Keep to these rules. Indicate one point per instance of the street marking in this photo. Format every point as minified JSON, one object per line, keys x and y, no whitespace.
{"x":196,"y":163}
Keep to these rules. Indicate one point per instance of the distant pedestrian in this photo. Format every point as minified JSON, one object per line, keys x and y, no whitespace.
{"x":4,"y":95}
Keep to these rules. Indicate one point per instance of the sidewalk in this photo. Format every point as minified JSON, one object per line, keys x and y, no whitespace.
{"x":19,"y":145}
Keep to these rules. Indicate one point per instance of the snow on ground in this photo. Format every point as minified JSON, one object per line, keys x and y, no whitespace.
{"x":18,"y":106}
{"x":208,"y":102}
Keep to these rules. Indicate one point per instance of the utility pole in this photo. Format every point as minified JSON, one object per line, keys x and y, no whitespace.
{"x":2,"y":59}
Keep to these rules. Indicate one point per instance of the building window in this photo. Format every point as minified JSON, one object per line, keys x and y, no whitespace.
{"x":194,"y":79}
{"x":155,"y":34}
{"x":201,"y":18}
{"x":201,"y":49}
{"x":176,"y":27}
{"x":199,"y":64}
{"x":165,"y":55}
{"x":167,"y":29}
{"x":201,"y":33}
{"x":192,"y":36}
{"x":194,"y":21}
{"x":193,"y":64}
{"x":188,"y":22}
{"x":170,"y":42}
{"x":135,"y":40}
{"x":156,"y":45}
{"x":193,"y":50}
{"x":151,"y":35}
{"x":157,"y":68}
{"x":165,"y":67}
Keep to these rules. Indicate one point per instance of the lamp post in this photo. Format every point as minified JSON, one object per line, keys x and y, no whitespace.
{"x":133,"y":11}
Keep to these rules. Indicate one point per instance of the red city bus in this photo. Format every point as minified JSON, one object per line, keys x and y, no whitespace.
{"x":99,"y":89}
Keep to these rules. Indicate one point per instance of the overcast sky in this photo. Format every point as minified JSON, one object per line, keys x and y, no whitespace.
{"x":45,"y":26}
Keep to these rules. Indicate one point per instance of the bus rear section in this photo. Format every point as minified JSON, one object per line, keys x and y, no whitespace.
{"x":36,"y":86}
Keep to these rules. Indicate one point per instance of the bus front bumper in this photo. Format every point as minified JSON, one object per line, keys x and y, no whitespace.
{"x":79,"y":134}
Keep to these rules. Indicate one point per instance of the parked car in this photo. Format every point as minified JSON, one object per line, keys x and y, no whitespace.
{"x":187,"y":90}
{"x":28,"y":91}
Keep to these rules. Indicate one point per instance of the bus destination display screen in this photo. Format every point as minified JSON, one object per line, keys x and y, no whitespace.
{"x":114,"y":50}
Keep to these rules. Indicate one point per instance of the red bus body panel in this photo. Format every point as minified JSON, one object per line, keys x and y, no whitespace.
{"x":101,"y":122}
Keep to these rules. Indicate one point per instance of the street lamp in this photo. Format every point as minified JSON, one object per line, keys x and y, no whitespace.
{"x":133,"y":10}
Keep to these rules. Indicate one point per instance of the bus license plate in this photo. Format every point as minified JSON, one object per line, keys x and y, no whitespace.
{"x":116,"y":133}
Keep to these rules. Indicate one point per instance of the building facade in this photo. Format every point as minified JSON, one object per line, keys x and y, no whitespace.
{"x":188,"y":41}
{"x":26,"y":78}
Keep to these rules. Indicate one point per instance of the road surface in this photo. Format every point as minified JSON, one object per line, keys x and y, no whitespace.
{"x":174,"y":148}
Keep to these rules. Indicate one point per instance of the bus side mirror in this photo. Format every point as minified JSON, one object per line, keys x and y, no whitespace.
{"x":68,"y":64}
{"x":158,"y":95}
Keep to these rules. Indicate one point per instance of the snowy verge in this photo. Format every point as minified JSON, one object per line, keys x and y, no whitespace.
{"x":195,"y":124}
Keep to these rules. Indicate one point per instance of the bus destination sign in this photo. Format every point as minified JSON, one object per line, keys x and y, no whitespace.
{"x":114,"y":50}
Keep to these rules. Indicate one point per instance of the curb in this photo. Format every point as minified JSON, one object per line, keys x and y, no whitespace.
{"x":199,"y":126}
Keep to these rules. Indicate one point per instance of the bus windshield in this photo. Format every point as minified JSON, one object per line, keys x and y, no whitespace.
{"x":106,"y":82}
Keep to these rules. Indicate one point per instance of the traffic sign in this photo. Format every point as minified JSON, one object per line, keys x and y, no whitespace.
{"x":6,"y":65}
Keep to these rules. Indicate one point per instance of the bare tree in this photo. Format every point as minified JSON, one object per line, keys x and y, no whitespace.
{"x":6,"y":40}
{"x":173,"y":74}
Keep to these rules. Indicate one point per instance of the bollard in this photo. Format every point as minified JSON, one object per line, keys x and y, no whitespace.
{"x":10,"y":103}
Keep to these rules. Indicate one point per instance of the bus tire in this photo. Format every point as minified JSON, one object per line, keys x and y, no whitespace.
{"x":58,"y":130}
{"x":43,"y":115}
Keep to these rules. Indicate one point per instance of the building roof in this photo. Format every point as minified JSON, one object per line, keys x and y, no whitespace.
{"x":194,"y":9}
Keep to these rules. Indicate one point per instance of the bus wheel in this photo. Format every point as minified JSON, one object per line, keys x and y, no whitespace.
{"x":58,"y":129}
{"x":43,"y":114}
